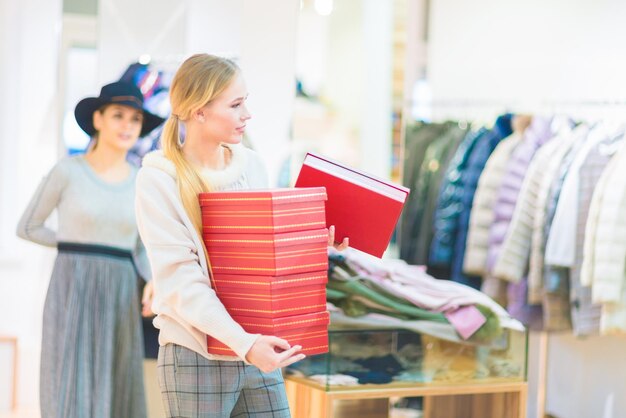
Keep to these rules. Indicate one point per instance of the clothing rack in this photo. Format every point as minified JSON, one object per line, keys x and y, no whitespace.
{"x":479,"y":110}
{"x":506,"y":103}
{"x":484,"y":111}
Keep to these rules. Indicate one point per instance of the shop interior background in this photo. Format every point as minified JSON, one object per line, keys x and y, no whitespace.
{"x":365,"y":69}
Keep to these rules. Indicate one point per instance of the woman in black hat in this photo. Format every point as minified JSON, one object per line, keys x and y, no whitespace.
{"x":92,"y":347}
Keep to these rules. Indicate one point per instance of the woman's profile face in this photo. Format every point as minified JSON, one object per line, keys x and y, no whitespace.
{"x":118,"y":126}
{"x":227,"y":114}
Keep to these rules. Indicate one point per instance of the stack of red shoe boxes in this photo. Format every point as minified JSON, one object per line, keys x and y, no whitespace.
{"x":268,"y":253}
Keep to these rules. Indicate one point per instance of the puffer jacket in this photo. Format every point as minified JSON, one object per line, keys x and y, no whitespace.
{"x":481,"y":216}
{"x":604,"y":254}
{"x":449,"y":205}
{"x":609,"y":269}
{"x":476,"y":164}
{"x":538,"y":133}
{"x":512,"y":262}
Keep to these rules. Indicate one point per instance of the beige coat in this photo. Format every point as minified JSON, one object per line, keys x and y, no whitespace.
{"x":604,"y":255}
{"x":481,"y":217}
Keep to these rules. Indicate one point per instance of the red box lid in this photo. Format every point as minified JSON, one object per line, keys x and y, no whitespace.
{"x":265,"y":241}
{"x":268,"y":326}
{"x":298,"y":216}
{"x":264,"y":211}
{"x":268,"y":283}
{"x":267,"y":199}
{"x":362,"y":207}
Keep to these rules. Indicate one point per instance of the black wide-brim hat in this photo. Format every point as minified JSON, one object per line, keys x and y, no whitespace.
{"x":120,"y":93}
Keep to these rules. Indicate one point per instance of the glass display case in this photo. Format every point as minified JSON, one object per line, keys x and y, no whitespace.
{"x":400,"y":358}
{"x":367,"y":369}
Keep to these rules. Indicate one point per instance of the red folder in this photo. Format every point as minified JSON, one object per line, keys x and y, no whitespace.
{"x":362,"y":207}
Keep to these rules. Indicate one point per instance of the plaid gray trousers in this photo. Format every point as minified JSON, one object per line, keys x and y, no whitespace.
{"x":193,"y":386}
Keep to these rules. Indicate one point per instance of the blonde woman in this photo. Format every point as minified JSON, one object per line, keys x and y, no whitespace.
{"x":92,"y":343}
{"x":208,"y":97}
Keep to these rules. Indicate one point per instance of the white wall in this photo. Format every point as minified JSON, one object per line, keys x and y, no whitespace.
{"x":29,"y":38}
{"x":527,"y":53}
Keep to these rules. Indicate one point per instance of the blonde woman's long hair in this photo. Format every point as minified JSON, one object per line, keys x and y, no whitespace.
{"x":200,"y":79}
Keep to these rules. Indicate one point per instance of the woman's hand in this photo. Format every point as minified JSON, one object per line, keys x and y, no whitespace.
{"x":331,"y":240}
{"x":146,"y":300}
{"x":269,"y":353}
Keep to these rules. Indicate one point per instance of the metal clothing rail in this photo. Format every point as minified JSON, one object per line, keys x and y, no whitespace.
{"x":515,"y":103}
{"x":485,"y":111}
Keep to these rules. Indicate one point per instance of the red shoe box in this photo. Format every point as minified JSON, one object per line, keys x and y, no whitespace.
{"x":308,"y":330}
{"x":264,"y":211}
{"x":271,"y":296}
{"x":268,"y":254}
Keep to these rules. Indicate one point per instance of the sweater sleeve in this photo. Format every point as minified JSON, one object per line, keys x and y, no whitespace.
{"x":32,"y":226}
{"x":182,"y":288}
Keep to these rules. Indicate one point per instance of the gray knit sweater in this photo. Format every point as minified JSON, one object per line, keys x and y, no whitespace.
{"x":89,"y":210}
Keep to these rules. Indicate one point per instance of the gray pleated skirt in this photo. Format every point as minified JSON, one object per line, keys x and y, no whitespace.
{"x":92,"y":343}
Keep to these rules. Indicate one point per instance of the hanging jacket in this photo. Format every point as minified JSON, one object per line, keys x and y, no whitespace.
{"x":417,"y":139}
{"x":512,"y":262}
{"x":547,"y":198}
{"x":609,"y":268}
{"x":449,"y":205}
{"x":481,"y":215}
{"x":585,"y":314}
{"x":476,"y":164}
{"x":535,"y":135}
{"x":608,"y":253}
{"x":436,"y":160}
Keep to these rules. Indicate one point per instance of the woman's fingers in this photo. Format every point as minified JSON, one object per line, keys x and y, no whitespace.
{"x":292,"y":359}
{"x":290,"y":356}
{"x":146,"y":300}
{"x":269,"y":353}
{"x":147,"y":292}
{"x":289,"y":353}
{"x":278,"y":343}
{"x":344,"y":244}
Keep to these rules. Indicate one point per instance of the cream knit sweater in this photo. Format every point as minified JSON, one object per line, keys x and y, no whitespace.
{"x":187,"y":308}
